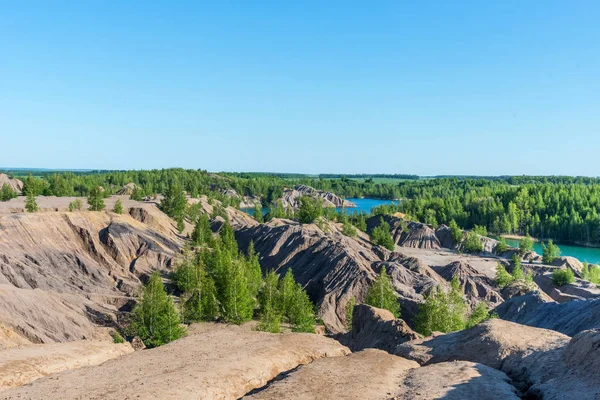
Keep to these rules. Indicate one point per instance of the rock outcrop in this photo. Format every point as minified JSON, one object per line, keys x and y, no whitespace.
{"x":541,"y":363}
{"x":126,"y":190}
{"x":290,"y":198}
{"x":238,"y":219}
{"x":62,"y":274}
{"x":407,"y":233}
{"x":476,"y":286}
{"x":375,"y":328}
{"x":14,"y":183}
{"x":534,"y":309}
{"x":215,"y":361}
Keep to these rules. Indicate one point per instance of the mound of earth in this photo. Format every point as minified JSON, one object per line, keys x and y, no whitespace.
{"x":63,"y":273}
{"x":215,"y":361}
{"x":578,"y":290}
{"x":407,"y":233}
{"x":14,"y":183}
{"x":238,"y":219}
{"x":542,"y":363}
{"x":374,"y":374}
{"x":376,"y":328}
{"x":535,"y":309}
{"x":126,"y":190}
{"x":291,"y":197}
{"x":476,"y":286}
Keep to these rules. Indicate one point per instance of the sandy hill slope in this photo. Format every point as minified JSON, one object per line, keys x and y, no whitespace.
{"x":62,"y":273}
{"x":14,"y":183}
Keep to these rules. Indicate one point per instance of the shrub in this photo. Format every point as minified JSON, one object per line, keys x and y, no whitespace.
{"x":526,"y":244}
{"x":75,"y":205}
{"x":550,"y":252}
{"x":258,"y":214}
{"x":7,"y":193}
{"x":501,"y":247}
{"x":96,"y":199}
{"x":382,"y":294}
{"x":349,"y":230}
{"x":155,"y":319}
{"x":503,"y":278}
{"x":350,"y":312}
{"x":455,"y":232}
{"x":118,"y":207}
{"x":480,"y":230}
{"x":310,"y":209}
{"x":517,"y":272}
{"x":480,"y":313}
{"x":381,"y":235}
{"x":30,"y":204}
{"x":117,"y":338}
{"x":473,"y":243}
{"x":562,"y":277}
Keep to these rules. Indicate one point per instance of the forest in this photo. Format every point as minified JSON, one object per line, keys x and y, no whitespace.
{"x":566,"y":209}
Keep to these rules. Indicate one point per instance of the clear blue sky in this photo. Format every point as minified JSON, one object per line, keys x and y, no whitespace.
{"x":432,"y":87}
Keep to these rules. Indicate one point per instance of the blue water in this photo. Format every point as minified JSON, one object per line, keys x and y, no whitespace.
{"x":362,"y":205}
{"x":589,"y":254}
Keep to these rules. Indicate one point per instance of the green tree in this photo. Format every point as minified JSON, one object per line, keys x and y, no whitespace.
{"x":350,"y":312}
{"x":442,"y":311}
{"x":501,"y":246}
{"x":155,"y":319}
{"x":269,"y":313}
{"x":174,"y":203}
{"x":517,"y":272}
{"x":526,"y":244}
{"x":473,"y":243}
{"x":258,"y":214}
{"x":348,"y":229}
{"x":480,"y":313}
{"x":550,"y":252}
{"x":562,"y":277}
{"x":75,"y":205}
{"x":136,"y":194}
{"x":310,"y":209}
{"x":118,"y":207}
{"x":286,"y":292}
{"x":96,"y":199}
{"x":381,"y":235}
{"x":202,"y":234}
{"x":238,"y":304}
{"x":457,"y":306}
{"x":30,"y":203}
{"x":253,"y":271}
{"x":503,"y":278}
{"x":480,"y":230}
{"x":7,"y":193}
{"x":455,"y":232}
{"x":382,"y":294}
{"x":301,"y":313}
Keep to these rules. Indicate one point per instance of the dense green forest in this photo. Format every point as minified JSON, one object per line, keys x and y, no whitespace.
{"x":563,"y":208}
{"x":566,"y":209}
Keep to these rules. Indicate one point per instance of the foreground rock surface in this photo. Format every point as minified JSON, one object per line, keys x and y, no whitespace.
{"x":21,"y":365}
{"x":374,"y":374}
{"x":214,"y":361}
{"x":375,"y":328}
{"x":541,"y":362}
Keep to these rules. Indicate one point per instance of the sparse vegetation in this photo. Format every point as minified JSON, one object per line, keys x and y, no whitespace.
{"x":382,"y":294}
{"x":561,"y":277}
{"x":118,"y":209}
{"x":117,"y":338}
{"x":7,"y":193}
{"x":75,"y":205}
{"x":349,"y":230}
{"x":96,"y":199}
{"x":350,"y":312}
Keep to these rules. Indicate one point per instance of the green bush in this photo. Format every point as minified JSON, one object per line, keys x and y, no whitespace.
{"x":473,"y":243}
{"x":381,"y":235}
{"x":501,"y":247}
{"x":310,"y":209}
{"x":75,"y":205}
{"x":117,"y":338}
{"x":7,"y":193}
{"x":562,"y":277}
{"x":550,"y":252}
{"x":526,"y":244}
{"x":382,"y":294}
{"x":503,"y":278}
{"x":349,"y":230}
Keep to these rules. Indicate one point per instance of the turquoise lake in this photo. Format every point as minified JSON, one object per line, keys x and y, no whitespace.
{"x":364,"y":205}
{"x":589,"y":254}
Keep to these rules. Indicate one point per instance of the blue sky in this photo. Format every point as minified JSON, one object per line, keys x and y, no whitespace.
{"x":432,"y":87}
